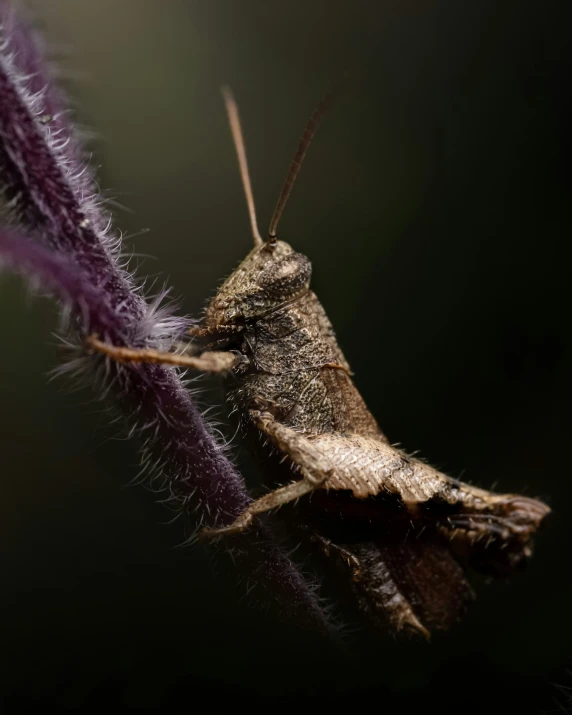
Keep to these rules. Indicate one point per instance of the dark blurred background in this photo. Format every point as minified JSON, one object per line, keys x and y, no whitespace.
{"x":435,"y":206}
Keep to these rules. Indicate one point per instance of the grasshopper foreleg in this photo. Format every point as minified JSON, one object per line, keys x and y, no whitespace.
{"x":216,"y":362}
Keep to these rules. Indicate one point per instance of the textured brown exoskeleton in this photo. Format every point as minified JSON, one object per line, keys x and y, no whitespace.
{"x":402,"y":530}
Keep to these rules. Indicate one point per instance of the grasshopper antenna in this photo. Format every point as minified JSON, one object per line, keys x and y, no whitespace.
{"x":238,"y":139}
{"x":311,"y":128}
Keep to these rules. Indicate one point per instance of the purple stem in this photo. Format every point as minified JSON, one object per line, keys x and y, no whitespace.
{"x":44,"y":182}
{"x":73,"y":257}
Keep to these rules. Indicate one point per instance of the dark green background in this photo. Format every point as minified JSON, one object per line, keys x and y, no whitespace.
{"x":435,"y":207}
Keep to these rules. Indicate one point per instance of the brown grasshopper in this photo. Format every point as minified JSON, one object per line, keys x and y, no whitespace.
{"x":402,"y":530}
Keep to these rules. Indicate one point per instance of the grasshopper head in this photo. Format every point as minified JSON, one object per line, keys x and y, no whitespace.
{"x":270,"y":276}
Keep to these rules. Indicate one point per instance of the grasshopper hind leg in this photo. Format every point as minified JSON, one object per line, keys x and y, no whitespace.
{"x":412,"y":584}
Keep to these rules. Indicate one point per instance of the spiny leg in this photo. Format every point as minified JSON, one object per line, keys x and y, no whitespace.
{"x":375,"y":584}
{"x":380,"y":592}
{"x":314,"y":466}
{"x":216,"y":362}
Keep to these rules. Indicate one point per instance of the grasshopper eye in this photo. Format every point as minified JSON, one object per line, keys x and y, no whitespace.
{"x":287,"y":276}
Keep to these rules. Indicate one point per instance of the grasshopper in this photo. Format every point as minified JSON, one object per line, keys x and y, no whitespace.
{"x":402,"y":531}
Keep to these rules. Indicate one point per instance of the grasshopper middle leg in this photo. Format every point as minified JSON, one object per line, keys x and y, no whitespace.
{"x":313,"y":464}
